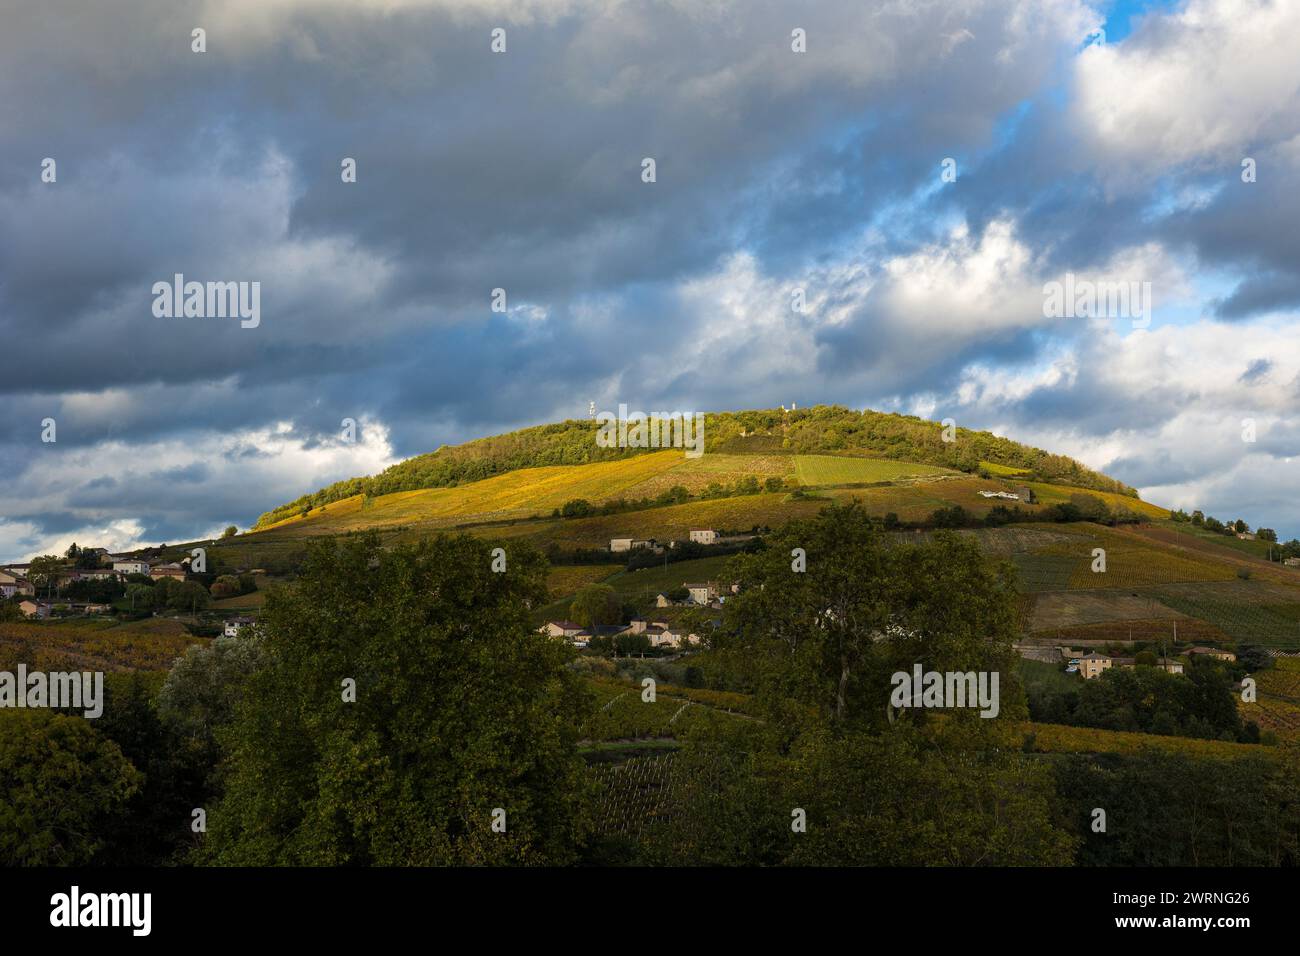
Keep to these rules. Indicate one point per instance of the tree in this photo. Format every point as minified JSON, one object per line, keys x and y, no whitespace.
{"x":188,"y":596}
{"x":227,"y":585}
{"x":44,"y":571}
{"x":230,"y":532}
{"x":826,"y":640}
{"x":61,"y":784}
{"x":460,"y":707}
{"x":596,"y":604}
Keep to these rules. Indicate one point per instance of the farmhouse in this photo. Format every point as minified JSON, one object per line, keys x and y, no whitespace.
{"x":131,"y":566}
{"x":704,"y":536}
{"x":1214,"y":652}
{"x":1170,"y":666}
{"x":1292,"y":562}
{"x":630,"y":544}
{"x":1091,"y":665}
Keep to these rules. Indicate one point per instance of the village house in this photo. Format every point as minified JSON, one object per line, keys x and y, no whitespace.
{"x":11,"y":584}
{"x":663,"y":600}
{"x":1214,"y":652}
{"x":34,"y":609}
{"x":1170,"y":666}
{"x":704,"y":536}
{"x":564,"y":630}
{"x":172,"y":570}
{"x":235,"y":625}
{"x":1246,"y":535}
{"x":1292,"y":562}
{"x":701,"y":593}
{"x":131,"y":566}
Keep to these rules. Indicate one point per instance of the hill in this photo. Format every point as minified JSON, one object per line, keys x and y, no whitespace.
{"x":771,"y":433}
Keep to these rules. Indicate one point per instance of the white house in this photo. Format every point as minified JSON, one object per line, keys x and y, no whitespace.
{"x":704,"y":536}
{"x":131,"y":566}
{"x":701,"y":593}
{"x":629,"y":544}
{"x":235,"y":625}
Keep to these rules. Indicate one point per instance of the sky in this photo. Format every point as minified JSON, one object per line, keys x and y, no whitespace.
{"x":922,"y":171}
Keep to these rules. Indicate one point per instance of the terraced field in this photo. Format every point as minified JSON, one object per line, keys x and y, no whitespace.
{"x":673,"y":522}
{"x":1060,"y":494}
{"x":1186,"y":630}
{"x":835,"y":470}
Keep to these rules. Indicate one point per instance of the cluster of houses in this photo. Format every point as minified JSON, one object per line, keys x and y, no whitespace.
{"x":658,"y":633}
{"x":14,"y":581}
{"x":1093,"y":664}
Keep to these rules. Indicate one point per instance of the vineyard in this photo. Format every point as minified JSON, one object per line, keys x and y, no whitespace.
{"x":1282,"y":679}
{"x":71,"y":647}
{"x":621,"y":714}
{"x":634,"y":795}
{"x":1242,"y":621}
{"x":1059,"y":738}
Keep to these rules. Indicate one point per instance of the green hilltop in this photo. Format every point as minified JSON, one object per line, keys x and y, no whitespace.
{"x":821,"y":429}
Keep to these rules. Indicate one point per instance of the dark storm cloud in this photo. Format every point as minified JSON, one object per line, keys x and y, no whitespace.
{"x":522,"y":171}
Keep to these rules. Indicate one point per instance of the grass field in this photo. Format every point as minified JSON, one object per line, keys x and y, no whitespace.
{"x":646,"y":583}
{"x":696,"y":474}
{"x":1002,"y":471}
{"x":835,"y":470}
{"x":564,"y":580}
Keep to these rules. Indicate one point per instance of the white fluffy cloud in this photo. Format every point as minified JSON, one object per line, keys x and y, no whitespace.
{"x":1211,"y":83}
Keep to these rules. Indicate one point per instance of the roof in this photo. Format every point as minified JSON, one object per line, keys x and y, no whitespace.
{"x":703,"y":585}
{"x":1094,"y":656}
{"x":567,"y":625}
